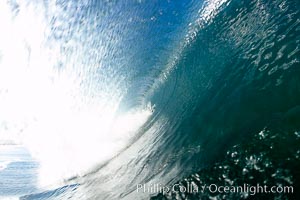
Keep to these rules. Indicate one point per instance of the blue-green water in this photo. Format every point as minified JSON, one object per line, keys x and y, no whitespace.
{"x":223,"y":79}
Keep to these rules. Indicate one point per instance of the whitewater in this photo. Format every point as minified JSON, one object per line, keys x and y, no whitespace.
{"x":99,"y":97}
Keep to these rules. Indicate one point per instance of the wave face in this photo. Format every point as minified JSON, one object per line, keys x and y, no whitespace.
{"x":109,"y":95}
{"x":65,"y":68}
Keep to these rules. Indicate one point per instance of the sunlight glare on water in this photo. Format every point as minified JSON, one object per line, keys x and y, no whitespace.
{"x":50,"y":111}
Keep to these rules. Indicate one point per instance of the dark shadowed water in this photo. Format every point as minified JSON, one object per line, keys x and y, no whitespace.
{"x":221,"y":83}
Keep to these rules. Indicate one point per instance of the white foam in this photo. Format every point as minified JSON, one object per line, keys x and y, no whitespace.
{"x":9,"y":198}
{"x":3,"y":165}
{"x":52,"y":113}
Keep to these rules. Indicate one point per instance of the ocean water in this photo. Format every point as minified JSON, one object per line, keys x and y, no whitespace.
{"x":18,"y":172}
{"x":109,"y":95}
